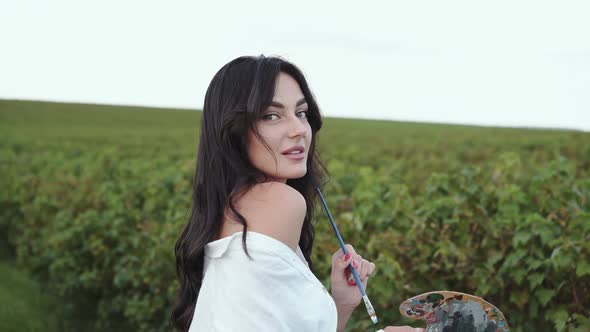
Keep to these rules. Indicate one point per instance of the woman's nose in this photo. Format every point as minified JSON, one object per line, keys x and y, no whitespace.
{"x":297,"y":127}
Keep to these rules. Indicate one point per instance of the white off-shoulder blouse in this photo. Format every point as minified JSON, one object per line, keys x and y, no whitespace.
{"x":276,"y":291}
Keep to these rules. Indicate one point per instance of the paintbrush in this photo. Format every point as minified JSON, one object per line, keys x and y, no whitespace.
{"x":368,"y":305}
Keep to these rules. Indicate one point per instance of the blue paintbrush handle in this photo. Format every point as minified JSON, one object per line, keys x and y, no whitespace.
{"x":355,"y":274}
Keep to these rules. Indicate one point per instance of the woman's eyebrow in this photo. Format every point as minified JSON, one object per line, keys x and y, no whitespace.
{"x":279,"y":105}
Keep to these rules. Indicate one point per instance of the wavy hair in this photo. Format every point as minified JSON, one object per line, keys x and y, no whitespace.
{"x":236,"y":97}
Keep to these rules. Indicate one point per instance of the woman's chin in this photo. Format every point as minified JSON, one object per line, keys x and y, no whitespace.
{"x":299,"y":174}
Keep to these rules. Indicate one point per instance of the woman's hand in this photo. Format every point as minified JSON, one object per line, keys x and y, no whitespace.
{"x":345,"y":292}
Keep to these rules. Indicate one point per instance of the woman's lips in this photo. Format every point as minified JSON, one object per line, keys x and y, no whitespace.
{"x":295,"y":156}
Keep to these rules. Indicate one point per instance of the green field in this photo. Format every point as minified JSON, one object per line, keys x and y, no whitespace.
{"x":93,"y":198}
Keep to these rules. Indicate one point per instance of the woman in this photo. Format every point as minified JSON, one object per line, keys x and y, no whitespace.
{"x":244,"y":258}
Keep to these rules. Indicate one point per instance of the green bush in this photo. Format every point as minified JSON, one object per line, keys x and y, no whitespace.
{"x":519,"y":239}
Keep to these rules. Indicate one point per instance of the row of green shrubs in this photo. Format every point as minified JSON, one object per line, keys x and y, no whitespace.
{"x":98,"y":227}
{"x":518,"y":237}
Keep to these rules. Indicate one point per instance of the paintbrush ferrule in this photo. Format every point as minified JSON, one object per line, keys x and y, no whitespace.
{"x":370,"y":309}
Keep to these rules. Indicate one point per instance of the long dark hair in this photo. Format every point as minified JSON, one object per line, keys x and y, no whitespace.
{"x":238,"y":94}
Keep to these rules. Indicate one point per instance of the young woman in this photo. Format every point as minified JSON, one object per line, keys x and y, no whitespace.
{"x":244,"y":257}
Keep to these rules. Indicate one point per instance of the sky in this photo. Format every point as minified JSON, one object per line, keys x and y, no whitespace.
{"x":493,"y":63}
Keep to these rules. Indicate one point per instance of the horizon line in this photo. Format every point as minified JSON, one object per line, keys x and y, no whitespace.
{"x":171,"y":107}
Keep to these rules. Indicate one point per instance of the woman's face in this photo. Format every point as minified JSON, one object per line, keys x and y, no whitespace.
{"x":283,"y":126}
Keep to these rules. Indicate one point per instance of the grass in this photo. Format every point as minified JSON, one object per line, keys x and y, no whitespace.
{"x":24,"y":308}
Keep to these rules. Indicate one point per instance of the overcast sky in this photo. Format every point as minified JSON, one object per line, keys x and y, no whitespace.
{"x":509,"y":63}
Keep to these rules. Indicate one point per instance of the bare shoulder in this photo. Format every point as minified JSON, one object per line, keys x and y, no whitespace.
{"x":274,"y":209}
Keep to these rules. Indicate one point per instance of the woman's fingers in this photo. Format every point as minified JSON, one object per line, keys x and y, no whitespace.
{"x":339,"y":254}
{"x":341,"y":261}
{"x":364,"y":269}
{"x":368,"y":269}
{"x":349,"y":275}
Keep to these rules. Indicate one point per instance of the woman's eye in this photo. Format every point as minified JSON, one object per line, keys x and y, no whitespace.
{"x":267,"y":117}
{"x":304,"y":112}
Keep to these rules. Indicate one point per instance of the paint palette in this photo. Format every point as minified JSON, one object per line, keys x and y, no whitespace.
{"x":446,"y":311}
